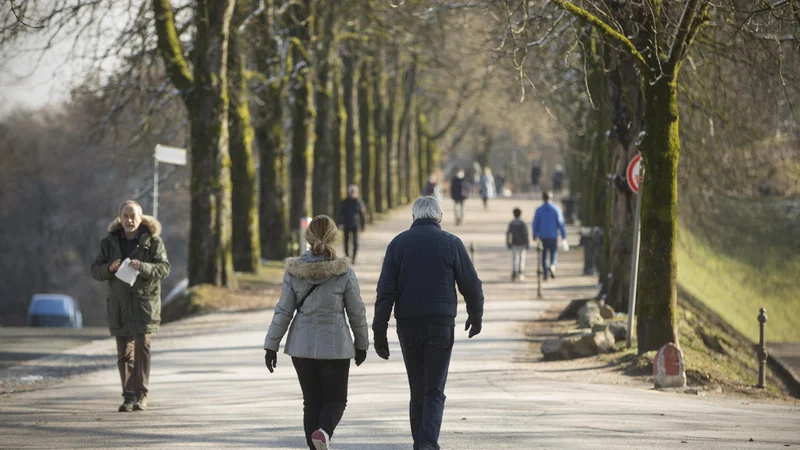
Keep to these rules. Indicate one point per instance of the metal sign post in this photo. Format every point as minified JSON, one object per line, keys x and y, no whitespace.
{"x":169,"y":155}
{"x":635,"y":175}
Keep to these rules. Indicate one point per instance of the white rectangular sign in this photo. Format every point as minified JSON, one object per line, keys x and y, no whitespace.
{"x":171,"y":155}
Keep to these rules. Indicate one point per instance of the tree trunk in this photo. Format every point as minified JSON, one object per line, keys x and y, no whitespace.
{"x":245,"y":239}
{"x":269,"y":132}
{"x":322,"y":185}
{"x":338,"y":140}
{"x":365,"y":101}
{"x":657,"y":293}
{"x":391,"y":153}
{"x":299,"y":100}
{"x":348,"y":87}
{"x":378,"y":81}
{"x":210,"y":229}
{"x":627,"y":115}
{"x":422,"y":150}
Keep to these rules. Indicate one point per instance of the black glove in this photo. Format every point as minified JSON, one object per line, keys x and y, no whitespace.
{"x":382,"y":345}
{"x":361,"y":355}
{"x":271,"y":359}
{"x":476,"y":326}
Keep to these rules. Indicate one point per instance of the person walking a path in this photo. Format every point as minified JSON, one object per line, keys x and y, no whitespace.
{"x":322,"y":289}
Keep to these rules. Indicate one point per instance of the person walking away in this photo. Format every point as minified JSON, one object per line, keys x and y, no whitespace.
{"x":548,"y":222}
{"x":487,"y":187}
{"x":133,"y":310}
{"x":536,"y":174}
{"x":420,"y":272}
{"x":433,"y":189}
{"x":558,"y":179}
{"x":352,"y":217}
{"x":321,"y":288}
{"x":458,"y":192}
{"x":518,"y":241}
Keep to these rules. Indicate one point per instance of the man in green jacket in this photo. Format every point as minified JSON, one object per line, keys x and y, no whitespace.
{"x":134,"y":311}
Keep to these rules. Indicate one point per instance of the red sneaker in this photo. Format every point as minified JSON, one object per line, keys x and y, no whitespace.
{"x":320,"y":439}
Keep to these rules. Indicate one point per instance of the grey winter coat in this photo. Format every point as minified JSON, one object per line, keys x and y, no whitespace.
{"x":319,"y":330}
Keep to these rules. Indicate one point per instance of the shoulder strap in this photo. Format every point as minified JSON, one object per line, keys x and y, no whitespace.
{"x":303,"y":300}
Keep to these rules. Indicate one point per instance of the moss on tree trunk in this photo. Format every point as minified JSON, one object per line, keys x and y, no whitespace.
{"x":391,"y":117}
{"x":378,"y":127}
{"x":657,"y":287}
{"x":245,"y":239}
{"x":322,"y":183}
{"x":365,"y":103}
{"x":338,"y":141}
{"x":210,"y":229}
{"x":348,"y":92}
{"x":299,"y":30}
{"x":268,"y":126}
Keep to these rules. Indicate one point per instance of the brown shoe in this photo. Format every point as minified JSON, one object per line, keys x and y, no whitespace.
{"x":141,"y":403}
{"x":126,"y":406}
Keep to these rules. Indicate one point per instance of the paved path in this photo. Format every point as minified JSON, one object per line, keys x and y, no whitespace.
{"x":212,"y":390}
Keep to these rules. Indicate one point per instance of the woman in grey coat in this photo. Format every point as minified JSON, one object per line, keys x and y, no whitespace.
{"x":322,"y":289}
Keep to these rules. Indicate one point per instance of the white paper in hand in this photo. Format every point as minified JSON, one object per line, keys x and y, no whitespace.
{"x":127,"y":273}
{"x":564,"y":245}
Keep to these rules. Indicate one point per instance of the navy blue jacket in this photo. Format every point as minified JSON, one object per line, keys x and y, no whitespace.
{"x":420,"y":271}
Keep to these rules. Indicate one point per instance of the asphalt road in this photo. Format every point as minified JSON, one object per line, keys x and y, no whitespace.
{"x":211,"y":390}
{"x":19,"y":344}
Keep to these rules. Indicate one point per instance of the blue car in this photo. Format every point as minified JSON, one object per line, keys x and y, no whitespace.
{"x":54,"y":310}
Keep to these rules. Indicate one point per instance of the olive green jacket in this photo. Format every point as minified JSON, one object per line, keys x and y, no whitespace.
{"x":133,"y":309}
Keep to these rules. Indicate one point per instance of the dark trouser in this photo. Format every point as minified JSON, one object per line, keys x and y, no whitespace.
{"x":426,"y":352}
{"x":324,"y":385}
{"x":133,"y":361}
{"x":485,"y":202}
{"x":347,"y":233}
{"x":549,"y":245}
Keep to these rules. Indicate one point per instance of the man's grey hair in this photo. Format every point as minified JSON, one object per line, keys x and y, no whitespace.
{"x":427,"y":208}
{"x":135,"y":205}
{"x":352,"y":189}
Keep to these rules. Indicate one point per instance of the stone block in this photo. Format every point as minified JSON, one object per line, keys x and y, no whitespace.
{"x":668,"y":370}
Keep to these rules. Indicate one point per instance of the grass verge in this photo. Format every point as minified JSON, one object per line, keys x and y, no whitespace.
{"x":253,"y":291}
{"x":714,"y":359}
{"x":748,"y":259}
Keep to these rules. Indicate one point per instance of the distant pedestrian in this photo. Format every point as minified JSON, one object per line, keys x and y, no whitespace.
{"x":134,"y":311}
{"x":433,"y":189}
{"x":548,"y":222}
{"x":558,"y":179}
{"x":352,"y":217}
{"x":518,"y":241}
{"x":536,"y":174}
{"x":487,"y":187}
{"x":420,"y":272}
{"x":322,"y":289}
{"x":458,"y":192}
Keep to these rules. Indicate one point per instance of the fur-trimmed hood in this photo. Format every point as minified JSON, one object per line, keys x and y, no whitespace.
{"x":147,"y":221}
{"x":307,"y":269}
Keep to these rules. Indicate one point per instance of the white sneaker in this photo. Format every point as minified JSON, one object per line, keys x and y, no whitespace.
{"x":521,"y":277}
{"x":321,"y":440}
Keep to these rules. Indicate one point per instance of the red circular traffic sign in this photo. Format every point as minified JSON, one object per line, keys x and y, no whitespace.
{"x":634,"y":173}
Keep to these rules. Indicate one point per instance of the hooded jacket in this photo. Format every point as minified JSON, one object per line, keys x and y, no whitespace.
{"x":319,"y":329}
{"x":136,"y":309}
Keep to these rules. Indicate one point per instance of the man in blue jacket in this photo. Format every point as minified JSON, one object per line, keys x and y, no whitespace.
{"x":420,"y":272}
{"x":547,"y":223}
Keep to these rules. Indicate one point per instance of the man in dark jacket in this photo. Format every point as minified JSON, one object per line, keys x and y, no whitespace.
{"x":351,"y":218}
{"x":134,"y":311}
{"x":458,"y":192}
{"x":420,"y":272}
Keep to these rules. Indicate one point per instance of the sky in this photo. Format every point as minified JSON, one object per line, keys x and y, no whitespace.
{"x":23,"y":83}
